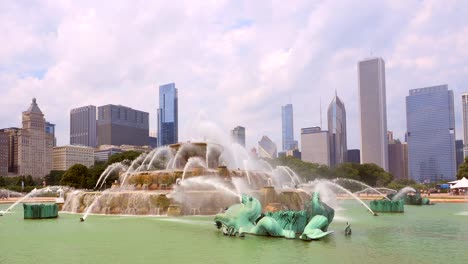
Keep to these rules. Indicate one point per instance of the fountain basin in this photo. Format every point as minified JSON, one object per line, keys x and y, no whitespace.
{"x":40,"y":211}
{"x":387,"y":206}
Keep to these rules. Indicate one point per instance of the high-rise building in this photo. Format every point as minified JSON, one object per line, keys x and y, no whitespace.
{"x":4,"y":146}
{"x":315,"y":145}
{"x":119,"y":125}
{"x":267,"y":148}
{"x":287,"y":122}
{"x":337,"y":131}
{"x":50,"y":129}
{"x":459,"y":152}
{"x":398,"y":159}
{"x":66,"y":156}
{"x":465,"y":123}
{"x":153,"y":139}
{"x":238,"y":135}
{"x":168,"y":115}
{"x":431,"y":134}
{"x":83,"y":126}
{"x":354,"y":156}
{"x":30,"y":149}
{"x":373,"y":110}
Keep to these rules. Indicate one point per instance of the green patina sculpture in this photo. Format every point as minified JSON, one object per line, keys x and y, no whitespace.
{"x":388,"y":206}
{"x":413,"y":199}
{"x":247,"y":218}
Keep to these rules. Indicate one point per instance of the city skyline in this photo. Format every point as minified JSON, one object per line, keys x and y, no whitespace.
{"x":61,"y":58}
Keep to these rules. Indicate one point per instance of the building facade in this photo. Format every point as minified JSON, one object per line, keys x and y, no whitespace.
{"x":30,"y":148}
{"x":459,"y":152}
{"x":315,"y":145}
{"x":398,"y":159}
{"x":465,"y":123}
{"x":103,"y":153}
{"x":119,"y":125}
{"x":238,"y":135}
{"x":431,"y":134}
{"x":66,"y":156}
{"x":50,"y":129}
{"x":4,"y":148}
{"x":168,"y":124}
{"x":267,"y":148}
{"x":337,"y":131}
{"x":83,"y":129}
{"x":287,"y":125}
{"x":354,"y":156}
{"x":373,"y":112}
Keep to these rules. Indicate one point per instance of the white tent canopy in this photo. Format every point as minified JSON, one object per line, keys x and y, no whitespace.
{"x":453,"y":182}
{"x":463,"y":183}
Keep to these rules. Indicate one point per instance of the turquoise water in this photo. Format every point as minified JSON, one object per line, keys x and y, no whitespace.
{"x":423,"y":234}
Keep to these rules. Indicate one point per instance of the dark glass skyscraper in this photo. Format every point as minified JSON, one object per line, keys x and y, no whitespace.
{"x":288,"y":127}
{"x":83,"y":129}
{"x":168,"y":115}
{"x":431,"y":134}
{"x":238,"y":135}
{"x":337,"y":131}
{"x":121,"y":125}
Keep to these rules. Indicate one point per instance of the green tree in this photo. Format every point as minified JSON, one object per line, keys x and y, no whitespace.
{"x":374,"y":175}
{"x":347,"y":170}
{"x":29,"y":181}
{"x":2,"y":181}
{"x":76,"y":176}
{"x":463,"y":170}
{"x":127,"y":155}
{"x":54,"y":177}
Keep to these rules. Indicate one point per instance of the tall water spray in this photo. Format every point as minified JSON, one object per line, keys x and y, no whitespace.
{"x":402,"y":193}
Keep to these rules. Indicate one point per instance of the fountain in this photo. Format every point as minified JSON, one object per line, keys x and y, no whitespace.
{"x":196,"y":177}
{"x":34,"y":192}
{"x":410,"y":197}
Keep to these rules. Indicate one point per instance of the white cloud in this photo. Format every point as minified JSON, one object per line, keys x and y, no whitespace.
{"x":237,"y":62}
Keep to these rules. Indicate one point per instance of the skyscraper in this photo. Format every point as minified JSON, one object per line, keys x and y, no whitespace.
{"x":373,"y":110}
{"x":83,"y":126}
{"x":398,"y":159}
{"x":4,"y":146}
{"x":50,"y":129}
{"x":431,"y":134}
{"x":238,"y":135}
{"x":354,"y":156}
{"x":267,"y":148}
{"x":30,"y":148}
{"x":459,"y":151}
{"x":121,"y":125}
{"x":168,"y":115}
{"x":337,"y":131}
{"x":315,"y":145}
{"x":288,"y":128}
{"x":465,"y":123}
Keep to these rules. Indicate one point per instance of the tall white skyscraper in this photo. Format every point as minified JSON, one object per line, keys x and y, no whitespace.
{"x":373,"y":110}
{"x":465,"y":123}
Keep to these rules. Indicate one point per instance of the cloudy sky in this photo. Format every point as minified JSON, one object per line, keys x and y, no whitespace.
{"x":234,"y":62}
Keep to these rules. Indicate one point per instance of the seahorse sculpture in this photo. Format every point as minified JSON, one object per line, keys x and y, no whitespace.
{"x":246,"y":218}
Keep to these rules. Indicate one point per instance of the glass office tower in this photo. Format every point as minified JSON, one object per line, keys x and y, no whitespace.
{"x":431,"y":134}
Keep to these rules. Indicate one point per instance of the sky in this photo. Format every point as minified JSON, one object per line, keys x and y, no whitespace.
{"x":233,"y":62}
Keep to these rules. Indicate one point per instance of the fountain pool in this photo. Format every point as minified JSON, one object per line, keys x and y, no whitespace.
{"x":431,"y":234}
